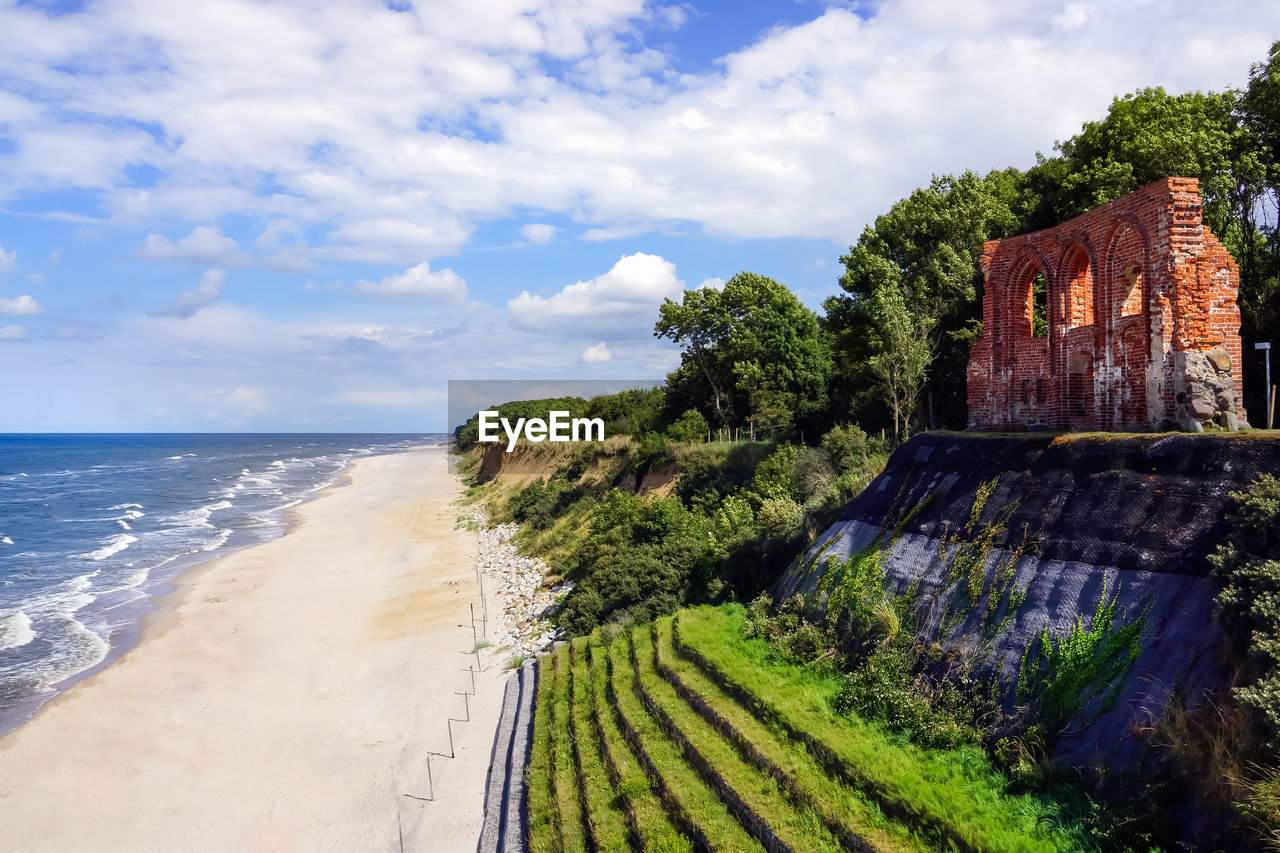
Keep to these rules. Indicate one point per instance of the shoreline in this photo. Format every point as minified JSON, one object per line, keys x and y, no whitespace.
{"x":158,"y":593}
{"x":391,"y":513}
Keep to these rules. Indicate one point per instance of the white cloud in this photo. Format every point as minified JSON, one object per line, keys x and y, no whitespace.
{"x":331,"y":287}
{"x":13,"y":334}
{"x":597,"y":353}
{"x":201,"y":296}
{"x":398,"y":134}
{"x":7,"y":259}
{"x":623,"y":300}
{"x":55,"y":256}
{"x":538,"y":233}
{"x":35,"y":277}
{"x":711,"y":284}
{"x":206,"y":244}
{"x":419,"y":282}
{"x":19,"y":306}
{"x":392,"y":398}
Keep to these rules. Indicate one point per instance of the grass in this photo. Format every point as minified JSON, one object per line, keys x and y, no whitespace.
{"x":845,"y":810}
{"x":543,"y":835}
{"x":635,"y":790}
{"x":797,"y":828}
{"x":564,"y":771}
{"x":955,"y":795}
{"x":694,"y":800}
{"x":607,"y":821}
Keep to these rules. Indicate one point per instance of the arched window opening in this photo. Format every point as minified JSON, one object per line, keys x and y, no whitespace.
{"x":1132,"y":305}
{"x":1039,"y":306}
{"x":1078,"y":307}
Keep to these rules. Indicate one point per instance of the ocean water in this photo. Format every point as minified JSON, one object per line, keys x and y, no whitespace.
{"x":93,"y":526}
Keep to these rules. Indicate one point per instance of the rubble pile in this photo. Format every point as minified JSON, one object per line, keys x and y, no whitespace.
{"x":519,"y":604}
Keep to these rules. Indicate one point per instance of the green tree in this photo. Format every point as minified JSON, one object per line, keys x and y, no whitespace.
{"x":905,"y":349}
{"x":759,"y":350}
{"x":926,"y":249}
{"x":698,"y":323}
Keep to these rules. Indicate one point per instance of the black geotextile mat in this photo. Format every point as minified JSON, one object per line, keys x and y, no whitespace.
{"x":1145,"y":502}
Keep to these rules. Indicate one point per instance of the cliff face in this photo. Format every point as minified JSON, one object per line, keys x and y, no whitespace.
{"x":1134,"y":516}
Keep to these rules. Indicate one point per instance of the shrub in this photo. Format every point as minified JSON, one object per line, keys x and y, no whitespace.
{"x":848,"y":448}
{"x":692,"y":426}
{"x":1249,"y":605}
{"x":780,"y":516}
{"x":775,"y":476}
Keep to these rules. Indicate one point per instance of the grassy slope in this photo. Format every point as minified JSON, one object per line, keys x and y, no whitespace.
{"x":608,"y":824}
{"x":650,"y":820}
{"x":543,"y":835}
{"x":954,"y":792}
{"x":695,"y":801}
{"x":843,"y":808}
{"x":572,"y":835}
{"x":799,"y":829}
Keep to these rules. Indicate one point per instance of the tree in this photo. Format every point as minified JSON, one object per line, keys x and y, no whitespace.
{"x":926,"y":248}
{"x":759,"y":350}
{"x":905,"y":350}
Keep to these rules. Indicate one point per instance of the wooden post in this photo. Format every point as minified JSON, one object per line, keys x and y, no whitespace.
{"x":431,"y":781}
{"x":1271,"y":412}
{"x":448,"y":722}
{"x":466,"y":704}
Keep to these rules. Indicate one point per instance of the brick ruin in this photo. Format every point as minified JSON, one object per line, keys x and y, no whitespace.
{"x":1123,"y":318}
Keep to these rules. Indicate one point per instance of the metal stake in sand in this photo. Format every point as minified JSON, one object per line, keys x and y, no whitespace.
{"x":448,"y":721}
{"x":430,"y":780}
{"x":472,"y":669}
{"x":466,"y":704}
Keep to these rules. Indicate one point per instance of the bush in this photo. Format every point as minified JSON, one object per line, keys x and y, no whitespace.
{"x":1249,"y":605}
{"x":780,"y":517}
{"x":775,"y":476}
{"x":848,"y":448}
{"x":692,"y":426}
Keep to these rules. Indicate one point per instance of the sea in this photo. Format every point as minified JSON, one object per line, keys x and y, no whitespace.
{"x":93,"y":527}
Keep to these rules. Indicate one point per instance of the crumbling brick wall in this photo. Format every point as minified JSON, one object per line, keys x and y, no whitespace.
{"x":1137,"y":325}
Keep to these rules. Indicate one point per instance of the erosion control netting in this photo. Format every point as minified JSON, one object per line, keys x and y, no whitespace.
{"x":1150,"y":503}
{"x":1130,"y":517}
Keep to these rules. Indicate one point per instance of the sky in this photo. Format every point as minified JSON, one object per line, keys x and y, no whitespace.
{"x":309,"y":216}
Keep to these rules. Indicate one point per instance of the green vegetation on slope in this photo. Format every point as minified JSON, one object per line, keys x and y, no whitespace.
{"x":742,"y":750}
{"x":606,"y":821}
{"x":957,"y":793}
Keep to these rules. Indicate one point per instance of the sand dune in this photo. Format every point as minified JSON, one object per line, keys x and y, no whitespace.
{"x":285,"y":697}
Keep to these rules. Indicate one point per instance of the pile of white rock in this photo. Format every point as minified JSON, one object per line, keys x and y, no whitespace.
{"x":519,"y":603}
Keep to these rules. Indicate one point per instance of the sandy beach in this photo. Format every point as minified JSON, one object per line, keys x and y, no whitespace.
{"x":285,"y":697}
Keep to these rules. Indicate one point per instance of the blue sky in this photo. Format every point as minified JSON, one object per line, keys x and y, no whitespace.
{"x":237,"y":215}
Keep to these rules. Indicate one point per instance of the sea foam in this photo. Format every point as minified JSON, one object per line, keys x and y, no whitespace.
{"x":15,"y":630}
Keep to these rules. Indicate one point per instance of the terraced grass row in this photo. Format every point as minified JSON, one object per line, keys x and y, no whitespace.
{"x":848,"y":815}
{"x":564,"y":775}
{"x":644,"y":810}
{"x":543,"y":835}
{"x":771,"y":813}
{"x":606,"y":822}
{"x":696,"y":810}
{"x":954,"y":795}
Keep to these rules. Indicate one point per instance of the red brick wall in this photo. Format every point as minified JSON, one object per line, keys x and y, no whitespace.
{"x":1131,"y":284}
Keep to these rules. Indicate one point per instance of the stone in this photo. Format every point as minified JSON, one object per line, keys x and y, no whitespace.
{"x":1203,"y":409}
{"x":1220,"y":359}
